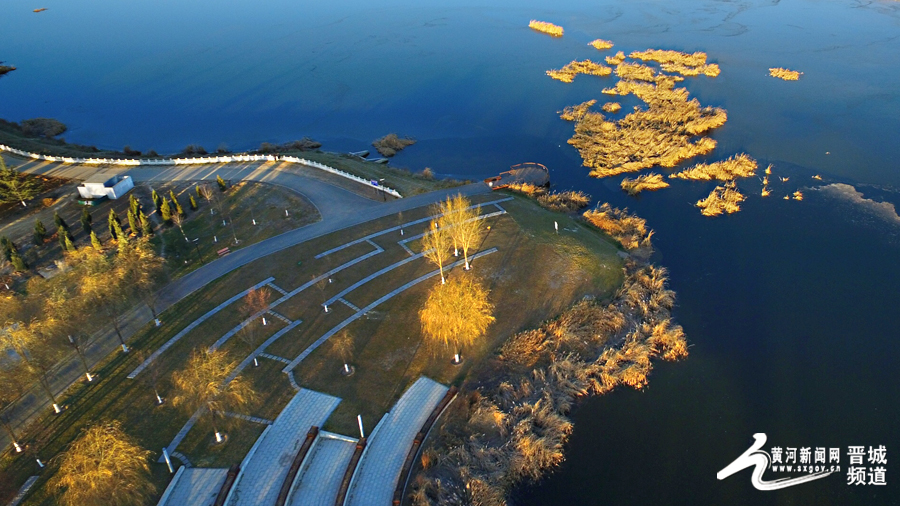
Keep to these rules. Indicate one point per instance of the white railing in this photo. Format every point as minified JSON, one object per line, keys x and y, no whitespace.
{"x":133,"y":162}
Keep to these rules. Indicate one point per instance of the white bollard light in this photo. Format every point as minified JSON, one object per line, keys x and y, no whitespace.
{"x":17,"y":447}
{"x":254,"y":222}
{"x":56,"y":408}
{"x":326,"y":307}
{"x":215,"y":238}
{"x":89,"y":377}
{"x":157,"y":322}
{"x":168,"y":460}
{"x":556,"y":226}
{"x":264,"y":321}
{"x":286,"y":213}
{"x":41,"y":464}
{"x":219,"y":437}
{"x":362,"y":434}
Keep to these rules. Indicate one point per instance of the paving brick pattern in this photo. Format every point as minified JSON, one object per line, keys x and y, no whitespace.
{"x":320,"y":478}
{"x":194,"y":487}
{"x":263,"y":472}
{"x":379,"y":468}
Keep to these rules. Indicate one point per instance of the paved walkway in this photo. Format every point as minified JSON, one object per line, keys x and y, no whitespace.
{"x":193,"y":487}
{"x":265,"y":467}
{"x":382,"y":460}
{"x":319,"y":480}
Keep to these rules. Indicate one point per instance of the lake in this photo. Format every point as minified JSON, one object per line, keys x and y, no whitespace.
{"x":790,"y":307}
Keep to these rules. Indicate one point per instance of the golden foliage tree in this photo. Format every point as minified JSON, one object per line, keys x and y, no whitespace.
{"x":436,"y":246}
{"x":457,"y":313}
{"x":460,"y":219}
{"x":104,"y":466}
{"x":203,"y":384}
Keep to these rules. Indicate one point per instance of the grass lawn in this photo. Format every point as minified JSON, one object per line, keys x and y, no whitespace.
{"x":534,"y":276}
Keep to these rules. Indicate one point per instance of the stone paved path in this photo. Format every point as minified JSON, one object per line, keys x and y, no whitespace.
{"x":264,"y":469}
{"x":193,"y":487}
{"x":319,"y":480}
{"x":379,"y":468}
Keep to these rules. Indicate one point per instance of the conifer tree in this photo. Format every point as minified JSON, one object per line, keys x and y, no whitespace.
{"x":119,"y":234}
{"x":18,"y":262}
{"x":221,"y":183}
{"x":61,"y":238}
{"x":134,"y":205}
{"x":112,"y":229}
{"x":193,"y":203}
{"x":197,"y":189}
{"x":67,"y":242}
{"x":165,"y":211}
{"x":60,"y":222}
{"x":40,"y":233}
{"x":86,"y":220}
{"x":133,"y":223}
{"x":146,"y":226}
{"x":114,"y":217}
{"x":8,"y":247}
{"x":95,"y":241}
{"x":157,"y":202}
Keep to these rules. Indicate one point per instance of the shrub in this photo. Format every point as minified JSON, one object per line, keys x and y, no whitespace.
{"x":42,"y":127}
{"x":565,"y":202}
{"x":391,"y":144}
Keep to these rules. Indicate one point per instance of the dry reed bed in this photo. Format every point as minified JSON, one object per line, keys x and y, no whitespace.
{"x":616,"y":59}
{"x":567,"y":74}
{"x":544,"y":27}
{"x":611,"y":107}
{"x":528,"y":189}
{"x":564,"y":202}
{"x":785,"y":74}
{"x":601,"y":44}
{"x":510,"y":425}
{"x":629,"y":230}
{"x":663,"y":134}
{"x":723,"y":199}
{"x":391,"y":144}
{"x":649,"y":182}
{"x":741,"y":165}
{"x":678,"y":62}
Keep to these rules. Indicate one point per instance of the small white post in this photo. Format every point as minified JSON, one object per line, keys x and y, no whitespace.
{"x":556,"y":226}
{"x":347,"y":368}
{"x":41,"y":464}
{"x":124,"y":348}
{"x":359,"y":421}
{"x":401,"y":231}
{"x":326,"y":307}
{"x":219,"y":437}
{"x":215,"y":238}
{"x":456,"y":358}
{"x":286,"y":213}
{"x":158,"y":399}
{"x":157,"y":322}
{"x":264,"y":321}
{"x":254,"y":221}
{"x":168,"y":460}
{"x":211,"y":211}
{"x":56,"y":408}
{"x":17,"y":447}
{"x":223,"y":223}
{"x":89,"y":377}
{"x":255,"y":362}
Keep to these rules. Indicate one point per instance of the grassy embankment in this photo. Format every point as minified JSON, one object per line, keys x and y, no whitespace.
{"x":387,"y":352}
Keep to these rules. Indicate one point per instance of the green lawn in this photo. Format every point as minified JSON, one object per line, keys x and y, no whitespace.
{"x":534,"y":276}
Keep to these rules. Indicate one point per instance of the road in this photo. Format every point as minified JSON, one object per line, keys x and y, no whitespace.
{"x":339,"y":208}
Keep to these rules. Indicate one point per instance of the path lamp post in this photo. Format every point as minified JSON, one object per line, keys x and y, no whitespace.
{"x":199,"y":255}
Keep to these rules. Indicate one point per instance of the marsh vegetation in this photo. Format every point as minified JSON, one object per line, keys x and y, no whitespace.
{"x":627,"y":229}
{"x":723,"y":199}
{"x":391,"y":144}
{"x":650,"y":182}
{"x":601,"y":44}
{"x":567,"y":74}
{"x":741,"y":165}
{"x":545,"y":27}
{"x":785,"y":74}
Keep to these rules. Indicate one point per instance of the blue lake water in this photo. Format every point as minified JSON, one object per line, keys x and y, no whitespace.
{"x":790,"y":307}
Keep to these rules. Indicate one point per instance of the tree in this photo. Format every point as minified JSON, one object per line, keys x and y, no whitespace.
{"x":342,"y":346}
{"x":60,"y":222}
{"x":142,"y":270}
{"x":134,"y":205}
{"x":8,"y":247}
{"x":103,"y":289}
{"x":118,"y":233}
{"x":157,"y":201}
{"x":40,"y":233}
{"x":12,"y":389}
{"x":16,"y":187}
{"x":256,"y":303}
{"x":104,"y":466}
{"x":207,"y":192}
{"x":202,"y":385}
{"x":221,"y":183}
{"x":63,"y":321}
{"x":178,"y":209}
{"x":86,"y":220}
{"x":68,"y":244}
{"x":146,"y":226}
{"x":178,"y":220}
{"x":113,"y":220}
{"x":463,"y":224}
{"x":18,"y":262}
{"x":133,"y":223}
{"x":447,"y":218}
{"x":436,"y":246}
{"x":193,"y":202}
{"x":95,"y":241}
{"x":198,"y":190}
{"x":36,"y":354}
{"x":165,"y":211}
{"x":457,"y":313}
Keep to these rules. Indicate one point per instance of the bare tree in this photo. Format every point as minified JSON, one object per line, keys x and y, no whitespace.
{"x":104,"y":466}
{"x":457,"y":313}
{"x":436,"y":246}
{"x":209,"y":195}
{"x":342,"y":346}
{"x":178,"y":220}
{"x":256,"y":303}
{"x":143,"y":271}
{"x":202,"y":385}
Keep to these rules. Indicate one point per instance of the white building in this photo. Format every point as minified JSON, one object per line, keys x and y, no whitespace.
{"x":103,"y":185}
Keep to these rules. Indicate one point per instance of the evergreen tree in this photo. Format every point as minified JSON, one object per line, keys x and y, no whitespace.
{"x":157,"y":202}
{"x":18,"y":262}
{"x":86,"y":220}
{"x":95,"y":241}
{"x":61,"y":237}
{"x":221,"y":183}
{"x":68,"y":243}
{"x":197,"y":189}
{"x":114,"y":217}
{"x":15,"y":187}
{"x":165,"y":211}
{"x":112,"y":229}
{"x":8,"y":247}
{"x":134,"y":205}
{"x":193,"y":203}
{"x":178,"y":209}
{"x":146,"y":226}
{"x":119,"y":234}
{"x":60,"y":222}
{"x":40,"y":233}
{"x":133,"y":222}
